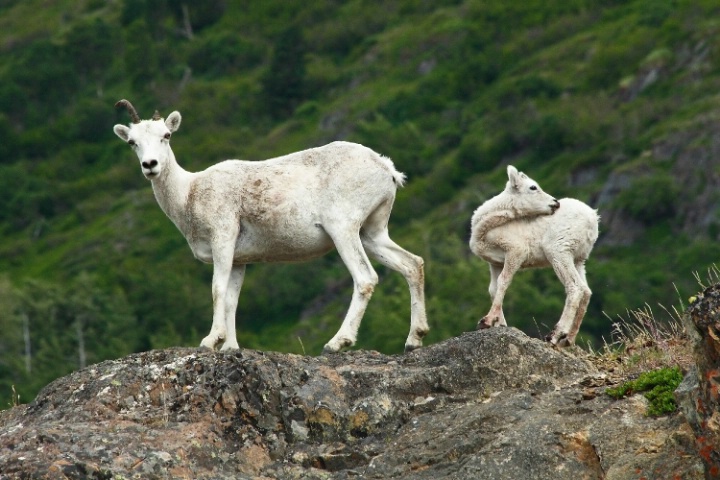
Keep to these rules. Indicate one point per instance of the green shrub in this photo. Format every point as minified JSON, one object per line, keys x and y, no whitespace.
{"x":284,"y":82}
{"x":659,"y":386}
{"x":528,"y":86}
{"x":650,"y":199}
{"x":548,"y":135}
{"x":224,"y":54}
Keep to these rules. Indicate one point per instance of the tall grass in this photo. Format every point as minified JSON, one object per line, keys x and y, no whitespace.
{"x":641,"y":340}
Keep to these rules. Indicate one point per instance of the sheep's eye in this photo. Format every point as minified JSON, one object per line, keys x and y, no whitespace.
{"x":131,"y":143}
{"x":167,"y":136}
{"x":533,"y":187}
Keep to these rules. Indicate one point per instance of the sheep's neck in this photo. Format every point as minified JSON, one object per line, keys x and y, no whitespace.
{"x":171,"y":191}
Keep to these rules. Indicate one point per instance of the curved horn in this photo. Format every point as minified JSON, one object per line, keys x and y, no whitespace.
{"x":131,"y":110}
{"x":156,"y":116}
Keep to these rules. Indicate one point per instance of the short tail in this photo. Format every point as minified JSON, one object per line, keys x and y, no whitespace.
{"x":398,"y":177}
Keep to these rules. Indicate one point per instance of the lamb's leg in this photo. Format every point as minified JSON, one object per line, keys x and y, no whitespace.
{"x":410,"y":266}
{"x":222,"y":266}
{"x":584,"y":302}
{"x":492,"y":290}
{"x":237,"y":275}
{"x":351,"y":252}
{"x":500,"y":279}
{"x":577,"y":298}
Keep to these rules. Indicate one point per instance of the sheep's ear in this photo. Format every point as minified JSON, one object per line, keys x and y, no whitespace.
{"x":172,"y":122}
{"x":122,"y":131}
{"x":513,"y":176}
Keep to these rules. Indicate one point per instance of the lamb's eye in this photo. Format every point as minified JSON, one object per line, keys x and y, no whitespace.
{"x":131,"y":143}
{"x":167,"y":136}
{"x":533,"y":187}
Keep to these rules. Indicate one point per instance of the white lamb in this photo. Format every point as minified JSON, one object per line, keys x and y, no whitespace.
{"x":524,"y":227}
{"x":291,"y":208}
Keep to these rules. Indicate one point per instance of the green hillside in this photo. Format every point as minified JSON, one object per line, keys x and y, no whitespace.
{"x":615,"y":103}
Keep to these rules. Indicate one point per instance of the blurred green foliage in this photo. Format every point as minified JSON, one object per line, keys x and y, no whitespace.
{"x":613,"y":103}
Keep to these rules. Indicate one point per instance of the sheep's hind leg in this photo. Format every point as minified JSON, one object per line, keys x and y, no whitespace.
{"x":237,"y":276}
{"x":364,"y":277}
{"x":410,"y":266}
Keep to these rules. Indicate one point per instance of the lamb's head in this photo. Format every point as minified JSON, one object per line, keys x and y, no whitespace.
{"x":528,"y":199}
{"x":150,"y":139}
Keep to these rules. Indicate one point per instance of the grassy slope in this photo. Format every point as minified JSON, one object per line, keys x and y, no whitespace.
{"x":452,"y":92}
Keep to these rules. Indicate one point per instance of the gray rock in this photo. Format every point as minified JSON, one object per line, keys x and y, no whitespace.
{"x":494,"y":404}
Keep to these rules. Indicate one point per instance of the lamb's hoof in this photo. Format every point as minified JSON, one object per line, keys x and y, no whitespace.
{"x":559,"y":341}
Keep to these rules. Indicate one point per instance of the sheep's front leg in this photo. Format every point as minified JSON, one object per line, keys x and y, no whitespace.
{"x":237,"y":276}
{"x":364,"y":280}
{"x":222,"y":262}
{"x":500,"y":278}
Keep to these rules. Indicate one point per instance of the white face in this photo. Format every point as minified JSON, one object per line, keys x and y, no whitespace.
{"x":528,"y":194}
{"x":150,"y":140}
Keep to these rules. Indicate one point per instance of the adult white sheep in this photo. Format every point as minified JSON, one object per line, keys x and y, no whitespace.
{"x":524,"y":227}
{"x":287,"y":209}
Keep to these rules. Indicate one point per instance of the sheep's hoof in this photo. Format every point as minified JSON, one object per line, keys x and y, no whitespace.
{"x":212,"y":343}
{"x":327,"y":350}
{"x":410,"y":348}
{"x":342,"y":343}
{"x":230,"y":347}
{"x":484,"y":324}
{"x":415,"y":339}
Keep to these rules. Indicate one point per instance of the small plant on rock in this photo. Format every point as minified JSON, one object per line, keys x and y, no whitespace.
{"x":659,"y":386}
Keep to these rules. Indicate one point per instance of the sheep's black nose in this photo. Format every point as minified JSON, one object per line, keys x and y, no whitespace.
{"x":555,"y":205}
{"x":149,"y":164}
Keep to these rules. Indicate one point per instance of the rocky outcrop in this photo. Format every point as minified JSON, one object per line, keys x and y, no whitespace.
{"x":699,"y":394}
{"x":494,"y":404}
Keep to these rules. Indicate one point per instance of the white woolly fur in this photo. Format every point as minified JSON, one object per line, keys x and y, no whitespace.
{"x":524,"y":227}
{"x":287,"y":209}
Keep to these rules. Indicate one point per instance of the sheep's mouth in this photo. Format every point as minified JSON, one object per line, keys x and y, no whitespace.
{"x":554,"y":207}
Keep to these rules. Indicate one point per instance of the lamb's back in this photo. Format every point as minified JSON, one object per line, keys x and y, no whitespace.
{"x":573,"y":227}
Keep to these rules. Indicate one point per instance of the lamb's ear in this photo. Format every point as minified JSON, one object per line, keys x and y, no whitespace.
{"x":122,"y":131}
{"x":172,"y":122}
{"x":513,"y":176}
